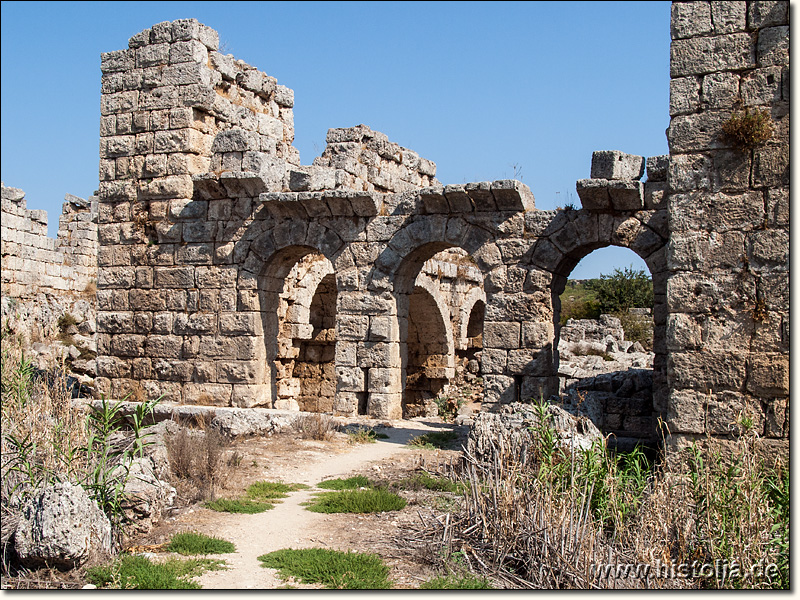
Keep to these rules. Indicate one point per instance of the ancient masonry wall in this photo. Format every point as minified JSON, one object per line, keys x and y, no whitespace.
{"x":728,"y":260}
{"x":32,"y":262}
{"x":222,"y":258}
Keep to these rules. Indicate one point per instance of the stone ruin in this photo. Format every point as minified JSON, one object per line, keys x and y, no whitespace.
{"x":230,"y":274}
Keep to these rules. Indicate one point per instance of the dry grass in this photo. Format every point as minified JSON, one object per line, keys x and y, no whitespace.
{"x":545,"y":520}
{"x":197,"y":460}
{"x":316,"y":426}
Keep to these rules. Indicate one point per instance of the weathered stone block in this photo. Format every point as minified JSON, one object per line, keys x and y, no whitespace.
{"x":501,"y":335}
{"x":732,"y":52}
{"x":769,"y":375}
{"x":593,"y":194}
{"x":613,"y":164}
{"x":690,"y":19}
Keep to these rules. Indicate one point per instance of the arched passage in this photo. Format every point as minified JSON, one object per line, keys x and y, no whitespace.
{"x":297,"y":294}
{"x":572,"y":236}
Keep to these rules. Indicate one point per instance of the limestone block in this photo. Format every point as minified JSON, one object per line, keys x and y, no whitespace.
{"x":501,"y":335}
{"x":152,"y":55}
{"x":246,"y":396}
{"x":593,"y":194}
{"x":384,"y":381}
{"x":769,"y":375}
{"x":768,"y":249}
{"x":537,"y":334}
{"x":385,"y":406}
{"x":771,"y":166}
{"x":613,"y":164}
{"x":238,"y":372}
{"x":499,"y":388}
{"x":729,"y":16}
{"x":698,"y":132}
{"x":384,"y":329}
{"x":655,"y":195}
{"x":350,"y":379}
{"x":512,"y":195}
{"x":729,"y":52}
{"x":767,"y":13}
{"x":626,"y":195}
{"x":707,"y":371}
{"x":690,"y":19}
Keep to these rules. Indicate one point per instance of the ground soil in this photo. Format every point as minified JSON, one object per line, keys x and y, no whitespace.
{"x":292,"y":459}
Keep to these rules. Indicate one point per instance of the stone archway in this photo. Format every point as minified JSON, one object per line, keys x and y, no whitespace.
{"x":570,"y":237}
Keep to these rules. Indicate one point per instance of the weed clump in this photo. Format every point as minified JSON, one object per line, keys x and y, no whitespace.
{"x":749,"y":129}
{"x":441,"y":440}
{"x":191,"y":543}
{"x":456,"y":582}
{"x":247,"y":507}
{"x":369,"y":500}
{"x":272,"y":490}
{"x":351,"y":483}
{"x":332,"y":568}
{"x":139,"y":573}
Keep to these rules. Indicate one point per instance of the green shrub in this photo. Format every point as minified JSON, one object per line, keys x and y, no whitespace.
{"x":425,"y":480}
{"x":749,"y":129}
{"x":435,"y":440}
{"x":351,"y":483}
{"x":332,"y":568}
{"x":356,"y":501}
{"x":623,"y":289}
{"x":140,"y":573}
{"x":272,"y":490}
{"x":191,"y":543}
{"x":247,"y":507}
{"x":363,"y":436}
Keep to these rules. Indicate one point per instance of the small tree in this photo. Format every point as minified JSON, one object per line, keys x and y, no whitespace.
{"x":623,"y":289}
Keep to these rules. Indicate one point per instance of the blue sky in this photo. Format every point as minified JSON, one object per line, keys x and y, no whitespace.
{"x":476,"y":87}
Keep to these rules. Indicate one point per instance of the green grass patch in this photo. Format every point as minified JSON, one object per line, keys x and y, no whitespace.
{"x":351,"y":483}
{"x":140,"y":573}
{"x":248,"y":507}
{"x":456,"y":582}
{"x":442,"y":440}
{"x":356,"y":501}
{"x":272,"y":490}
{"x":332,"y":568}
{"x":425,"y":480}
{"x":197,"y":543}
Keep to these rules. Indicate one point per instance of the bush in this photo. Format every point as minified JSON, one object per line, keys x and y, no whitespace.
{"x":139,"y":573}
{"x":442,"y":440}
{"x":356,"y":501}
{"x":316,"y":426}
{"x":248,"y":507}
{"x":456,"y":582}
{"x":621,"y":290}
{"x":425,"y":480}
{"x":196,"y":458}
{"x":197,"y":543}
{"x":272,"y":490}
{"x":749,"y":129}
{"x":351,"y":483}
{"x":332,"y":568}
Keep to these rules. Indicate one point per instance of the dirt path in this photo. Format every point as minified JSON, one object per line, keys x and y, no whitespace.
{"x":289,"y":525}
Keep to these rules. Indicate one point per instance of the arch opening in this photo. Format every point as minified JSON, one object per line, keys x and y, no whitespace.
{"x":298,"y":305}
{"x":435,"y":288}
{"x":608,"y":353}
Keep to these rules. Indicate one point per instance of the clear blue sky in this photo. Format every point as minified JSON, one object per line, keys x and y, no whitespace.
{"x":476,"y":87}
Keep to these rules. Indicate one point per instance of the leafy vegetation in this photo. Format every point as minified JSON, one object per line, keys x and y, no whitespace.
{"x":272,"y":490}
{"x":365,"y":435}
{"x":191,"y":543}
{"x":448,"y":407}
{"x":370,"y":500}
{"x":248,"y":507}
{"x":548,"y":516}
{"x":45,"y":440}
{"x":332,"y":568}
{"x":351,"y":483}
{"x":424,"y":480}
{"x":749,"y":129}
{"x":621,"y":290}
{"x":442,"y":440}
{"x":140,"y":573}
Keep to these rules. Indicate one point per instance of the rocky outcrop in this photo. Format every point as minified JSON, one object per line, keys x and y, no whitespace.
{"x":61,"y":526}
{"x":511,"y":431}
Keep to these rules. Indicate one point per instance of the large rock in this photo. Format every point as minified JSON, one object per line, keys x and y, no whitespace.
{"x":61,"y":526}
{"x":511,"y":431}
{"x":145,"y":496}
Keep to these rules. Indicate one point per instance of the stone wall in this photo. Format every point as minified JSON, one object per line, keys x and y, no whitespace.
{"x":728,"y":260}
{"x":34,"y":263}
{"x":229,"y":272}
